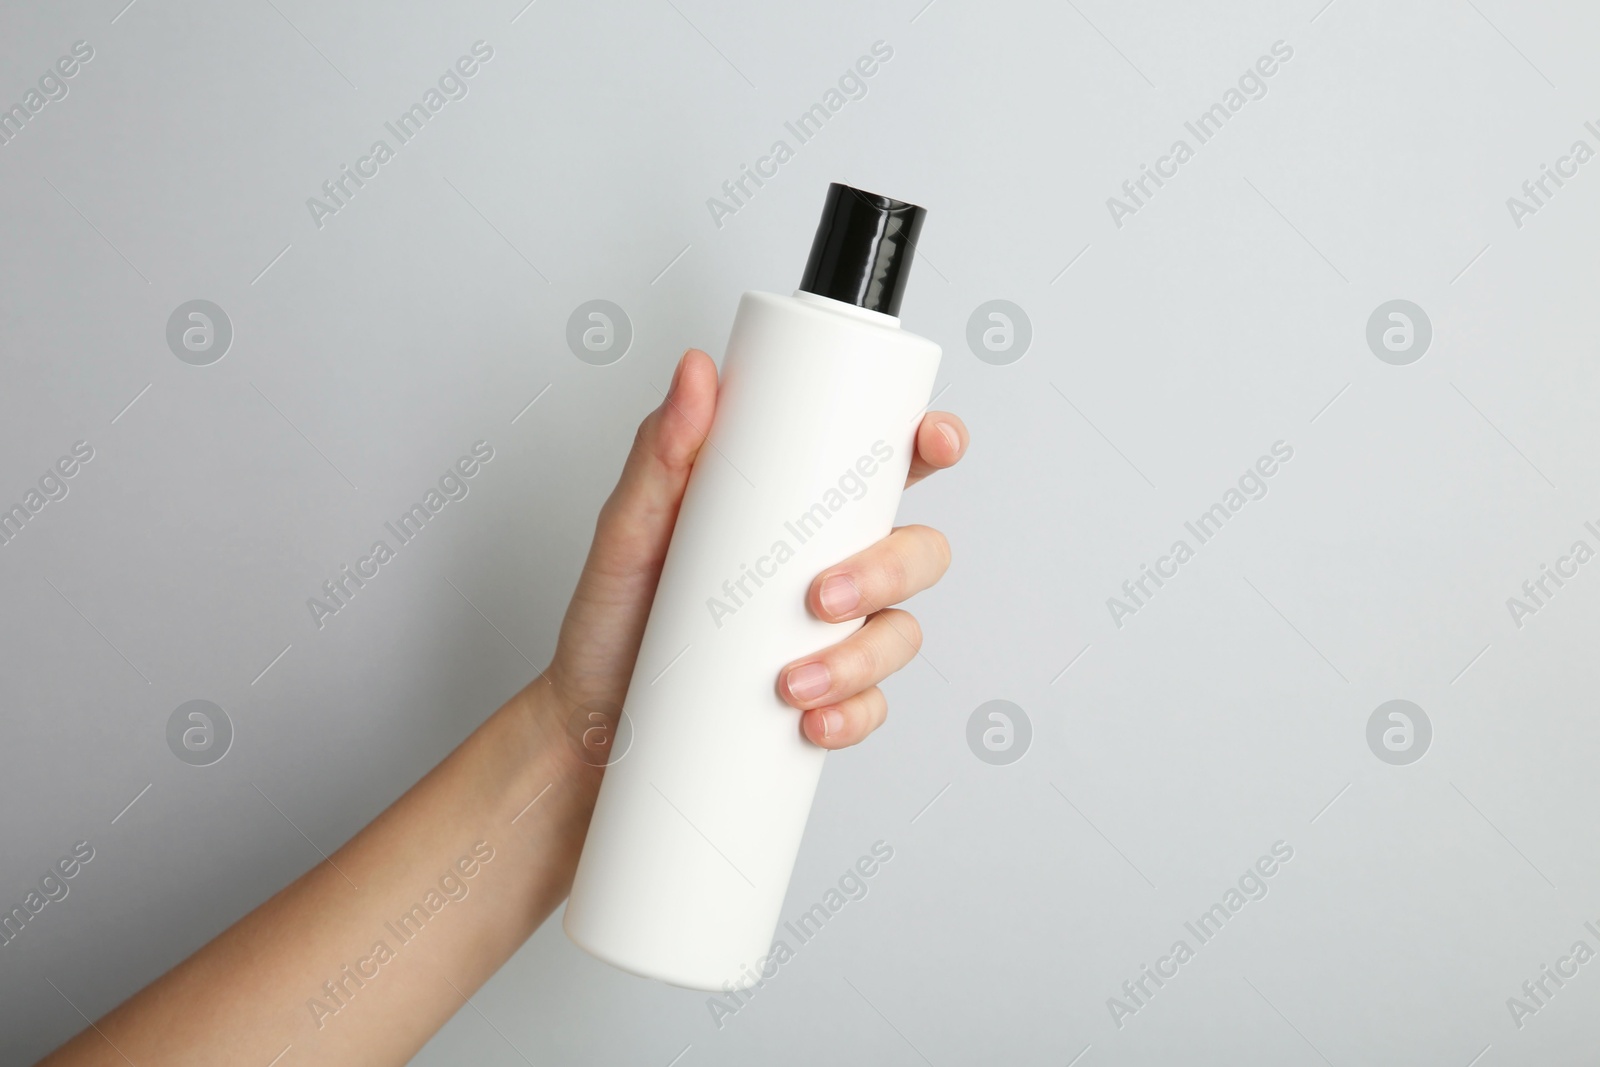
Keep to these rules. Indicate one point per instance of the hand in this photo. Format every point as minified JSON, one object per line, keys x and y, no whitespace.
{"x":490,"y":788}
{"x":605,"y":621}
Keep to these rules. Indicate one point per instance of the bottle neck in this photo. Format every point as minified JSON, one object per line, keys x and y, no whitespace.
{"x":841,"y":307}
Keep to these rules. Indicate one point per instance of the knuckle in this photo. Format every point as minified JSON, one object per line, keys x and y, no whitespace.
{"x":863,"y":659}
{"x":892,"y":568}
{"x":941,"y":547}
{"x":646,"y":440}
{"x":930,"y":545}
{"x":642,"y":437}
{"x":865,"y":712}
{"x":907,"y":630}
{"x":877,"y":706}
{"x":916,"y":632}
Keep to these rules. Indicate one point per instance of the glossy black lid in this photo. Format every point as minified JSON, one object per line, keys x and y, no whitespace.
{"x":863,"y":249}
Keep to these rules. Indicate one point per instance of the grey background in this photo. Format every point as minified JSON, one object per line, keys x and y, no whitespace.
{"x":1228,"y":314}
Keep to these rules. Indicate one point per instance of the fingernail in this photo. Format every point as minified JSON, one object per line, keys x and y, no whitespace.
{"x":832,"y":722}
{"x":948,"y":432}
{"x":807,"y":681}
{"x":839,"y":595}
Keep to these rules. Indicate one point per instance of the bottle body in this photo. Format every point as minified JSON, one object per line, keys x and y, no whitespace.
{"x":700,"y":815}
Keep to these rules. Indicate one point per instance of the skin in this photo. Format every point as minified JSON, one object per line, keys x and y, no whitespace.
{"x":519,"y":786}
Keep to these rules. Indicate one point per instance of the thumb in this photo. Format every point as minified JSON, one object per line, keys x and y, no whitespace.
{"x":636,"y":522}
{"x":605,"y":621}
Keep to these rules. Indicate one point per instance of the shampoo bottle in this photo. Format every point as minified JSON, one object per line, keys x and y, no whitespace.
{"x":710,"y":780}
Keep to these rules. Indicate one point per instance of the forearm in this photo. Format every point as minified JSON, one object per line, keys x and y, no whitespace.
{"x":343,"y":964}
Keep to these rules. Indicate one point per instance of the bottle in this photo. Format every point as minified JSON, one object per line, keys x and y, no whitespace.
{"x":709,"y":780}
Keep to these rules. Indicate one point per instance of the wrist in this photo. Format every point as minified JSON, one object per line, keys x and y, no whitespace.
{"x":544,"y":724}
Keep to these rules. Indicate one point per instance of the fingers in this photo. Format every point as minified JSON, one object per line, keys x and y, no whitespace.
{"x":847,"y":722}
{"x":941,"y":441}
{"x":909,"y":560}
{"x":837,"y":688}
{"x":886,"y":643}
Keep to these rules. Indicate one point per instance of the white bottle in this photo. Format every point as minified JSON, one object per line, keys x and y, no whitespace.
{"x":701,"y":810}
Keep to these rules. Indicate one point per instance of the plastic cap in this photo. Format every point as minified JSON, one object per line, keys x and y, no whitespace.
{"x":863,"y":249}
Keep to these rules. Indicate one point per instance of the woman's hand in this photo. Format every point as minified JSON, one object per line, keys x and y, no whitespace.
{"x":515,"y":791}
{"x":837,"y":689}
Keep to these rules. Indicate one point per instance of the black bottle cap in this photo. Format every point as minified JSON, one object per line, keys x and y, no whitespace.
{"x":863,"y":249}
